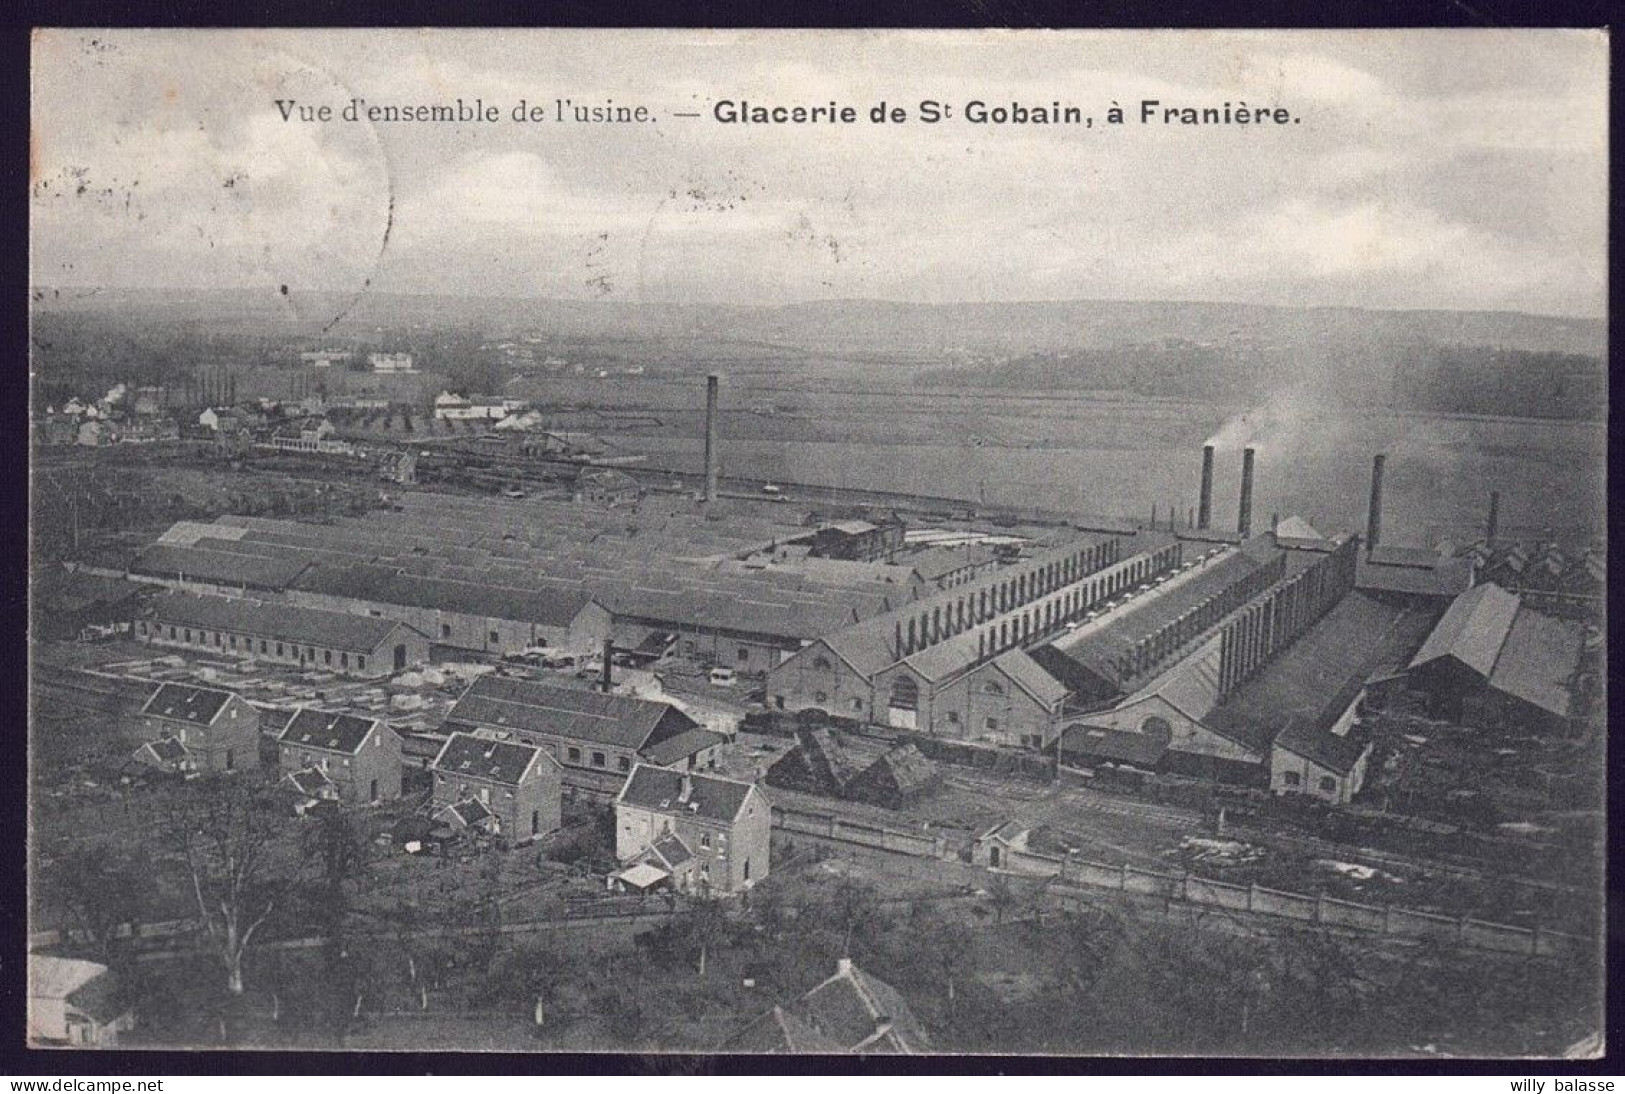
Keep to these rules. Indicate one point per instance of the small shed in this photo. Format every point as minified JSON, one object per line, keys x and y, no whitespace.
{"x":899,"y":778}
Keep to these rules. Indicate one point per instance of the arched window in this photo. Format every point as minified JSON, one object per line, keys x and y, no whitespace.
{"x":993,"y":687}
{"x":821,"y":663}
{"x":905,"y":693}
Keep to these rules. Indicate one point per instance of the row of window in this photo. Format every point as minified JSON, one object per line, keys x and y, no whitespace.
{"x":624,"y":763}
{"x":1292,"y":779}
{"x":226,"y":641}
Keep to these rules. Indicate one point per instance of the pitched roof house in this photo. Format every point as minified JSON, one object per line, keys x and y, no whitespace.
{"x":360,"y":757}
{"x":192,"y":728}
{"x":509,"y":789}
{"x":701,"y":831}
{"x":73,"y":1002}
{"x":851,"y":1012}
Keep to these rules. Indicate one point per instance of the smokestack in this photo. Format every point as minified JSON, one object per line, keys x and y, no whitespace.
{"x":1204,"y":510}
{"x":711,"y":437}
{"x":609,"y":650}
{"x":1495,"y":515}
{"x":1244,"y":520}
{"x":1373,"y":520}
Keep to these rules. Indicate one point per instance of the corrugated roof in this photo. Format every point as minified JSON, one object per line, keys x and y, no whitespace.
{"x":310,"y":626}
{"x":1446,"y":577}
{"x":1539,"y":656}
{"x":312,"y":782}
{"x":497,"y":761}
{"x":469,"y":812}
{"x":326,"y":730}
{"x":658,"y":789}
{"x":1472,"y":630}
{"x":185,"y":703}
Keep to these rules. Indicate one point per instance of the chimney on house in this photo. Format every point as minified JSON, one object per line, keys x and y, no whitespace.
{"x":843,"y":966}
{"x":1244,"y":519}
{"x":1204,"y":501}
{"x":1373,"y":520}
{"x":711,"y":437}
{"x":687,"y":790}
{"x":607,"y":675}
{"x":1495,"y":515}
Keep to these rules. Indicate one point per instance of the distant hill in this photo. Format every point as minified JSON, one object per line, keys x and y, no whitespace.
{"x":865,"y":326}
{"x":1485,"y":362}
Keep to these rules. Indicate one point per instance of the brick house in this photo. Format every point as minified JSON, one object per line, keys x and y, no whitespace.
{"x":517,"y":785}
{"x":700,"y":832}
{"x":217,"y":731}
{"x":359,"y":757}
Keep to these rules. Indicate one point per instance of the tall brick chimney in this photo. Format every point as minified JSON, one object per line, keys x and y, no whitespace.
{"x":1204,"y":501}
{"x":711,"y":453}
{"x":1244,"y":520}
{"x":1373,"y":520}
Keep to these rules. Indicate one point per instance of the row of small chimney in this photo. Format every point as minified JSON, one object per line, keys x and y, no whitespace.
{"x":1244,"y":520}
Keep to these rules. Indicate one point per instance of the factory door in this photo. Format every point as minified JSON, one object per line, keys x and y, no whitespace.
{"x":904,"y":706}
{"x":400,"y":657}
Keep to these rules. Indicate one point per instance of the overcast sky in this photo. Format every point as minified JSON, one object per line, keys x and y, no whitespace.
{"x":1434,"y":169}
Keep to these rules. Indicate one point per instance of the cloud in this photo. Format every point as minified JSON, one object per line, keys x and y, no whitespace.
{"x":1430,"y":170}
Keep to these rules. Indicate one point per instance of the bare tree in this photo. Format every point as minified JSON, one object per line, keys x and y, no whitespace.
{"x":227,"y":830}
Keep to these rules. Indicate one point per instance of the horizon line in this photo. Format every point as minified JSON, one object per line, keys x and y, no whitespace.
{"x":85,"y":291}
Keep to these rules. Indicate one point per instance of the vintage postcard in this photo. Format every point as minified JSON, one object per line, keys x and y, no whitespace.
{"x":1081,"y":543}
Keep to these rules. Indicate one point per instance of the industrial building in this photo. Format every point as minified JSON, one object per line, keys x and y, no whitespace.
{"x":1162,"y":663}
{"x":954,"y":663}
{"x":1494,"y":660}
{"x":462,"y":570}
{"x":280,"y":633}
{"x":596,"y":738}
{"x":462,"y":615}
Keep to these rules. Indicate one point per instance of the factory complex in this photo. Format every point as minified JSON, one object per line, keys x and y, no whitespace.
{"x":1236,"y":655}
